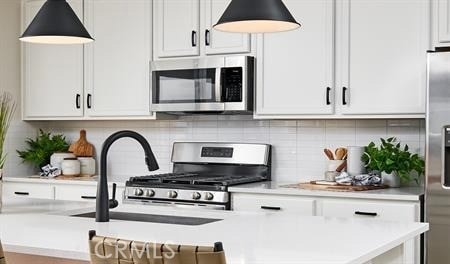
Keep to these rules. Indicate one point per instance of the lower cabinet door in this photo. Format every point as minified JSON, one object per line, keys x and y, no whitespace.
{"x":371,"y":209}
{"x":250,"y":202}
{"x":28,"y":190}
{"x":385,"y":211}
{"x":81,"y":193}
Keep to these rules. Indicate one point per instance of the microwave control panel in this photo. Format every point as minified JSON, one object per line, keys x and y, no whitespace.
{"x":232,"y":84}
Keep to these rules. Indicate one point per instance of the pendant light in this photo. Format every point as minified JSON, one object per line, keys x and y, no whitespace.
{"x":256,"y":16}
{"x":56,"y":23}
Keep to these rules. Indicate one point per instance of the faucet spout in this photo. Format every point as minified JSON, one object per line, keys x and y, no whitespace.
{"x":103,"y":203}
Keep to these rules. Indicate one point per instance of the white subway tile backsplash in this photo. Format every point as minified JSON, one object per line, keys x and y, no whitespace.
{"x":297,"y":144}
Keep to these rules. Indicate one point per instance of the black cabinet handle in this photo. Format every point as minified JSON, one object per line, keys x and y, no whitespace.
{"x":207,"y":37}
{"x":328,"y":95}
{"x":344,"y":95}
{"x":22,"y":193}
{"x":194,"y":38}
{"x":271,"y":208}
{"x":89,"y":197}
{"x":365,"y":213}
{"x":89,"y":101}
{"x":77,"y":101}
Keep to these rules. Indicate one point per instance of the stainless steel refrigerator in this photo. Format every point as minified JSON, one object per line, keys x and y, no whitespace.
{"x":437,"y":198}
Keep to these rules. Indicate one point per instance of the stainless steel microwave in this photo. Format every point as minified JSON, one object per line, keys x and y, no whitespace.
{"x":214,"y":85}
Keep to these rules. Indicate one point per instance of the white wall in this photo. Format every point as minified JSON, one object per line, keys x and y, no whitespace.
{"x":10,"y":82}
{"x":298,"y":144}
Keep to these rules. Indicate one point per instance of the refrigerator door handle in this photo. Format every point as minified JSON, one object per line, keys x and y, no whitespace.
{"x":445,"y":174}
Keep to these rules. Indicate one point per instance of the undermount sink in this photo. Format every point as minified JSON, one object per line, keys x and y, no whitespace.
{"x":150,"y":218}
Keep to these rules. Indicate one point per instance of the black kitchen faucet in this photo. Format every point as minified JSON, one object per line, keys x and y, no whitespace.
{"x":103,"y":202}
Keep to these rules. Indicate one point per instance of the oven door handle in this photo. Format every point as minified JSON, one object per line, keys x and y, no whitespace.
{"x":218,"y":85}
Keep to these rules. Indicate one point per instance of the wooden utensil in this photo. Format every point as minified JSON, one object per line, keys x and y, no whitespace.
{"x":342,"y":166}
{"x":340,"y":153}
{"x":82,"y":148}
{"x":329,"y":154}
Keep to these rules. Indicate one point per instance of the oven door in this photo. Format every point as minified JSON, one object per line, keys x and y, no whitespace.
{"x":187,"y":85}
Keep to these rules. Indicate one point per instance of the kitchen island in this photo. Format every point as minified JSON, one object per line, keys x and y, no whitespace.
{"x":44,"y":228}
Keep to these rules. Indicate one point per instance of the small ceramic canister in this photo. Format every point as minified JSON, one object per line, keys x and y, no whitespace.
{"x":57,"y":158}
{"x":87,"y":166}
{"x":71,"y":167}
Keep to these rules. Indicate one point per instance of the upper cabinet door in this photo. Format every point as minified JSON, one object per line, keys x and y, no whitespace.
{"x":176,"y":27}
{"x":217,"y":42}
{"x":384,"y":45}
{"x":441,"y":22}
{"x":118,"y":62}
{"x":295,"y":68}
{"x":52,"y":74}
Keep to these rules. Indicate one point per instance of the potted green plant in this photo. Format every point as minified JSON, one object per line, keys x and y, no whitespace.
{"x":395,"y":163}
{"x":41,"y":149}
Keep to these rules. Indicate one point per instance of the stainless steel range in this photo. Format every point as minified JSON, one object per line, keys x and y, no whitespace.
{"x":202,"y":173}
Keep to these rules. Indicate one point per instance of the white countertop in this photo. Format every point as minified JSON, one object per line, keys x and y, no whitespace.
{"x":33,"y":227}
{"x":399,"y":194}
{"x":36,"y":179}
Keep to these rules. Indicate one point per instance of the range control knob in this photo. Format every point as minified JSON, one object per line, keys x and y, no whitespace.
{"x":196,"y":196}
{"x":150,"y":193}
{"x":173,"y":194}
{"x":138,"y":192}
{"x":209,"y":196}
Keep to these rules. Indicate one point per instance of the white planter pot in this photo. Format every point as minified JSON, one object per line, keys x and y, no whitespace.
{"x":392,"y":180}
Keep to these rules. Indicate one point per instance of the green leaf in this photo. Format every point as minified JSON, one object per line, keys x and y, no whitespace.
{"x":39,"y":150}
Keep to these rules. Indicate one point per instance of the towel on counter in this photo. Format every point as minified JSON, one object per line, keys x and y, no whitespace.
{"x":344,"y":178}
{"x":50,"y":171}
{"x":359,"y":180}
{"x":367,"y":179}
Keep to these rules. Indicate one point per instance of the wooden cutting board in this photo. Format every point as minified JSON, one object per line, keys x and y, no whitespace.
{"x":82,"y":148}
{"x":335,"y":188}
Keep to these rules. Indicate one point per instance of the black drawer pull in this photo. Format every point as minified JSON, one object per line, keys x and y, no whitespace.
{"x":89,"y":197}
{"x":328,"y":95}
{"x":207,"y":37}
{"x":365,"y":213}
{"x":89,"y":101}
{"x":77,"y":101}
{"x":273,"y":208}
{"x":22,"y":193}
{"x":344,"y":95}
{"x":194,"y":38}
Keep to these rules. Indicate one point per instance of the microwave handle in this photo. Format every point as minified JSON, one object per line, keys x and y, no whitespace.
{"x":219,"y":84}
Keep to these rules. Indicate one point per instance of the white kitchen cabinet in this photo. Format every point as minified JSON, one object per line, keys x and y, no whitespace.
{"x":82,"y":192}
{"x":383,"y":47}
{"x":117,"y":64}
{"x":176,"y":27}
{"x":55,"y":190}
{"x":217,"y":42}
{"x":375,"y":49}
{"x":270,"y":203}
{"x":295,"y":73}
{"x":28,"y":190}
{"x":385,"y":211}
{"x":441,"y":23}
{"x":185,"y":28}
{"x":52,"y":74}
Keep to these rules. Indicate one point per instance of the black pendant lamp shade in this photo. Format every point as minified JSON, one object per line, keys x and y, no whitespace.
{"x":256,"y":16}
{"x":56,"y":23}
